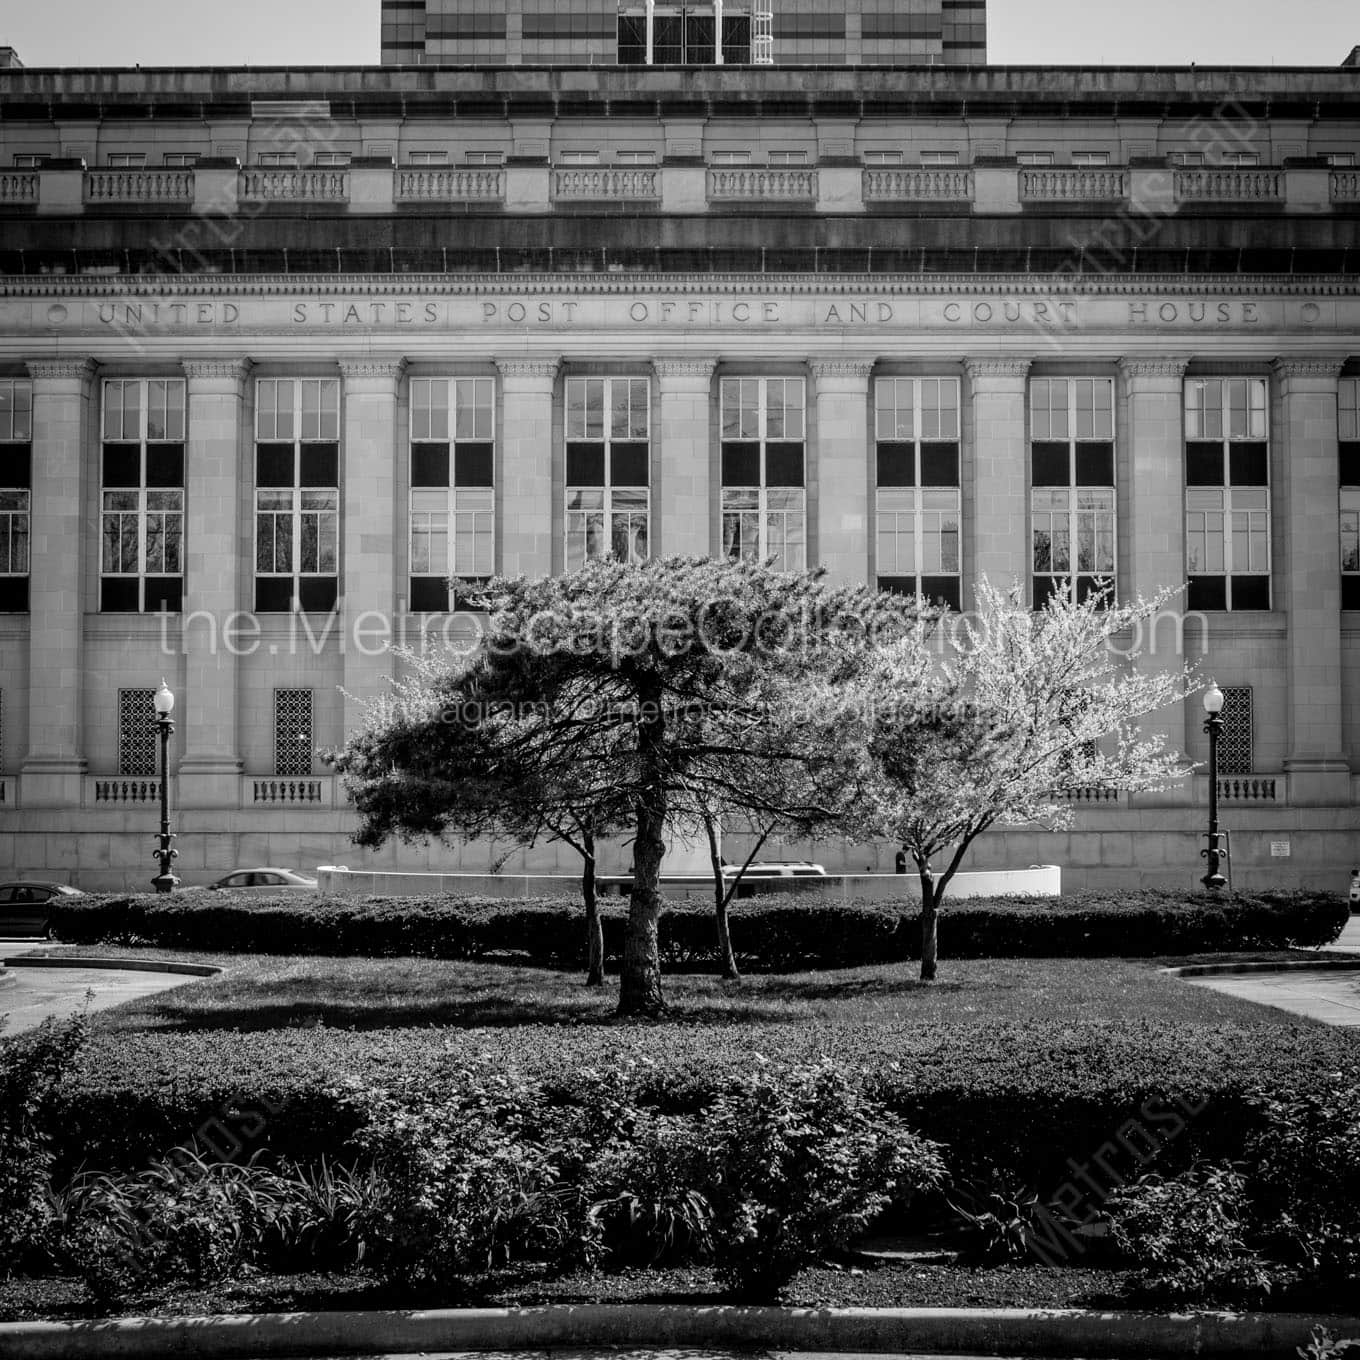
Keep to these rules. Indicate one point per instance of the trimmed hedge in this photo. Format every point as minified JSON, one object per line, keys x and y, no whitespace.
{"x":1004,"y":1094}
{"x":771,"y":933}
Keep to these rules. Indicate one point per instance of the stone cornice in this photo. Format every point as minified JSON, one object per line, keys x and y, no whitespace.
{"x":627,"y":285}
{"x":217,"y":370}
{"x":684,"y":366}
{"x":1171,"y":366}
{"x":1326,"y":366}
{"x":388,"y":370}
{"x":49,"y":370}
{"x":997,"y":366}
{"x":840,"y":367}
{"x":544,"y":370}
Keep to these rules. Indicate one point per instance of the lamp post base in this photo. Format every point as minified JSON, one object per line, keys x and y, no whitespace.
{"x":164,"y":883}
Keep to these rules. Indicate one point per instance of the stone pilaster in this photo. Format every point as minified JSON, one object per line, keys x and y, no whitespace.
{"x":999,"y":550}
{"x":209,"y":714}
{"x":369,"y":543}
{"x":842,"y":387}
{"x":1155,"y":522}
{"x":52,"y":771}
{"x":681,"y":500}
{"x":526,"y":465}
{"x":1319,"y":774}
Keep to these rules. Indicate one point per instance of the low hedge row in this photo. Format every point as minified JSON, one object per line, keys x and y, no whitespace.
{"x":1003,"y":1094}
{"x":773,"y":933}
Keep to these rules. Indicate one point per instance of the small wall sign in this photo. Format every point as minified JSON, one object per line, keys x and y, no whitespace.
{"x":1279,"y":849}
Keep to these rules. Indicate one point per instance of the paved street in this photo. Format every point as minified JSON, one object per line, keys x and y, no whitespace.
{"x":618,"y":1353}
{"x":37,"y":994}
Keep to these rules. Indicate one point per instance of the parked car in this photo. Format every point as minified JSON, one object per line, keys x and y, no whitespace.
{"x":264,"y":881}
{"x":784,"y":868}
{"x":771,"y":876}
{"x":24,"y":906}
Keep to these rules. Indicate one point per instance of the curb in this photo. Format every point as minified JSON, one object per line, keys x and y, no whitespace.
{"x":121,"y":965}
{"x":1014,"y":1332}
{"x":1335,"y":964}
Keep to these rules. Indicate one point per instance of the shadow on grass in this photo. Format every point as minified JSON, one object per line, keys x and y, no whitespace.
{"x":274,"y":1009}
{"x":293,"y":1004}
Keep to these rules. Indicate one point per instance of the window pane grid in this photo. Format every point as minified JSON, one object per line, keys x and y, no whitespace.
{"x":764,"y":518}
{"x":1348,"y":409}
{"x":452,"y":526}
{"x":16,"y":412}
{"x":1227,"y":525}
{"x":142,"y":522}
{"x":1073,"y":525}
{"x":297,"y":524}
{"x":612,"y":417}
{"x":916,"y":530}
{"x":1350,"y":531}
{"x":1226,"y":408}
{"x":16,"y":431}
{"x":14,"y":522}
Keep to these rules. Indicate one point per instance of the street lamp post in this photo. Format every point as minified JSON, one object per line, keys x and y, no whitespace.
{"x":1213,"y":726}
{"x":165,"y":881}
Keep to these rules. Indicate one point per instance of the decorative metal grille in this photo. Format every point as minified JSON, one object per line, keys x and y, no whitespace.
{"x":1234,"y":745}
{"x":137,"y":732}
{"x":292,"y":732}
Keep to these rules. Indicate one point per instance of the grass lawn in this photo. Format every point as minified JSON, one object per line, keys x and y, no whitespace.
{"x":263,"y":992}
{"x":267,"y":1019}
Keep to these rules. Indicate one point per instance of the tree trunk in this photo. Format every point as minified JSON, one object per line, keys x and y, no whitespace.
{"x":727,"y":962}
{"x":594,"y":928}
{"x":640,"y":980}
{"x":930,"y":926}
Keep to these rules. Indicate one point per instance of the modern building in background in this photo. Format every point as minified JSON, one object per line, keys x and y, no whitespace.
{"x":283,"y":350}
{"x":702,"y":33}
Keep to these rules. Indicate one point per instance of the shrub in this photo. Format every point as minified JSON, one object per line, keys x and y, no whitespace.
{"x":775,"y":933}
{"x":1305,"y":1180}
{"x":1001,"y":1095}
{"x":645,"y":1204}
{"x":1188,"y":1235}
{"x":467,"y":1187}
{"x":181,"y":1219}
{"x":799,"y":1162}
{"x":321,"y":1221}
{"x":30,"y":1068}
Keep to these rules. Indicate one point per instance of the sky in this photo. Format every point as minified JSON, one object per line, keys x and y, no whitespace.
{"x":345,"y":32}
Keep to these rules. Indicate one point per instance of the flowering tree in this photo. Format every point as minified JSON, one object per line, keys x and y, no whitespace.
{"x":659,"y":687}
{"x":1019,"y":706}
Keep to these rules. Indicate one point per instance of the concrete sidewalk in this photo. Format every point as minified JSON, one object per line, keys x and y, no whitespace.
{"x":1349,"y":942}
{"x":33,"y":993}
{"x":1332,"y":996}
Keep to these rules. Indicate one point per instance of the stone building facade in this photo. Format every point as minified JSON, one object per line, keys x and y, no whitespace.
{"x":280,"y":350}
{"x":684,"y":32}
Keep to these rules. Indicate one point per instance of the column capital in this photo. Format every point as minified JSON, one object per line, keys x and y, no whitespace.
{"x":209,"y":372}
{"x":377,"y":369}
{"x":539,"y":368}
{"x":61,"y":370}
{"x":684,"y":366}
{"x":1326,"y":366}
{"x":1141,"y":368}
{"x":845,"y":369}
{"x":997,"y":366}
